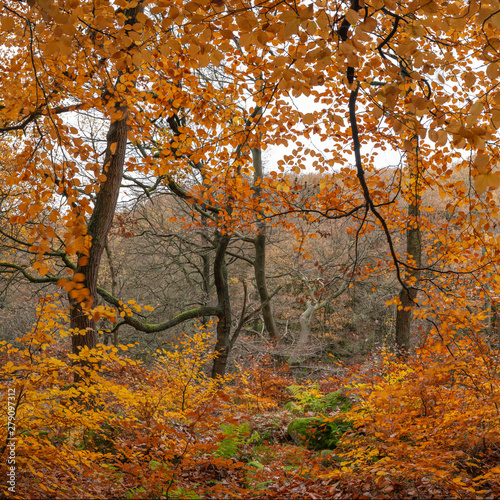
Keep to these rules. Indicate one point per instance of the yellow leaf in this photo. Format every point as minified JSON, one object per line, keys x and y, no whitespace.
{"x":442,"y":138}
{"x":204,"y":60}
{"x":495,"y":20}
{"x":246,"y":22}
{"x":492,"y":71}
{"x":137,"y":59}
{"x":216,"y":57}
{"x":8,"y":23}
{"x":288,"y":16}
{"x":307,"y":12}
{"x":54,"y":216}
{"x":482,"y":161}
{"x":370,"y":25}
{"x":469,"y":79}
{"x":291,"y":28}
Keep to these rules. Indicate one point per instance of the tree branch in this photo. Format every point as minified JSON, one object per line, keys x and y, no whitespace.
{"x":361,"y":176}
{"x":142,"y":326}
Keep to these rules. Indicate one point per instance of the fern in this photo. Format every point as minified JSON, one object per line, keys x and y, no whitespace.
{"x":307,"y":398}
{"x":235,"y":437}
{"x":310,"y":399}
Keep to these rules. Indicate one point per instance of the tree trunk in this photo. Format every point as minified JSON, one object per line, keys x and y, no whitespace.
{"x":408,"y":295}
{"x":205,"y":258}
{"x":305,"y":321}
{"x":403,"y":320}
{"x":114,"y":289}
{"x":222,"y":345}
{"x":102,"y":217}
{"x":98,"y":229}
{"x":260,"y":253}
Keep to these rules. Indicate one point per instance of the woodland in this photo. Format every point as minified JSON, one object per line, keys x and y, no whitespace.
{"x":249,"y":249}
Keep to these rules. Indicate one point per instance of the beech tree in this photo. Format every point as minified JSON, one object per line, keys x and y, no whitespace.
{"x":378,"y":70}
{"x":381,"y":73}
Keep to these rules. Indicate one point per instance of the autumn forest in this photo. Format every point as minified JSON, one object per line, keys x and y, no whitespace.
{"x":249,"y":249}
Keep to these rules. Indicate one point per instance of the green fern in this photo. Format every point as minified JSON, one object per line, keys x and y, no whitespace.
{"x":235,"y":437}
{"x":307,"y":398}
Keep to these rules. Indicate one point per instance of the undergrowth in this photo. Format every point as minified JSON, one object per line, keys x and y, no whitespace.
{"x":424,"y":426}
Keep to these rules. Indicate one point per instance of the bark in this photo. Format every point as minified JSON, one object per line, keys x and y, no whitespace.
{"x":414,"y":251}
{"x":222,"y":345}
{"x":98,"y":229}
{"x":403,"y":320}
{"x":114,"y":285}
{"x":305,"y":321}
{"x":205,"y":258}
{"x":260,"y":253}
{"x":102,"y":216}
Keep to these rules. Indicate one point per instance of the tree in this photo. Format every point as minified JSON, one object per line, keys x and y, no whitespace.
{"x":382,"y":72}
{"x":116,"y":62}
{"x":408,"y":294}
{"x":260,"y":250}
{"x":101,"y":78}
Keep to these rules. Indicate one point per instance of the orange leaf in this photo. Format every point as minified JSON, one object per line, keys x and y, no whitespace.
{"x":483,"y":181}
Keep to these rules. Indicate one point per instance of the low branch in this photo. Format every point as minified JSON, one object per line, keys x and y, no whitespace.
{"x":30,"y":277}
{"x":142,"y":326}
{"x":361,"y":177}
{"x":40,"y":112}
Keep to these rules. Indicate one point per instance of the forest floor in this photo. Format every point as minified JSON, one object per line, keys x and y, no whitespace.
{"x":386,"y":428}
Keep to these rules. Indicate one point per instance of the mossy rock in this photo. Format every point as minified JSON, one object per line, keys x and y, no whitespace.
{"x":318,"y":433}
{"x":336,"y":401}
{"x":267,"y":430}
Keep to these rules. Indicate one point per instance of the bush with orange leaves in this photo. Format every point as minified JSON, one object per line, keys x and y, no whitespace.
{"x":428,"y":424}
{"x":122,"y":430}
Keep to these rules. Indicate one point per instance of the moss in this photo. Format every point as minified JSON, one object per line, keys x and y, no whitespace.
{"x":336,"y":401}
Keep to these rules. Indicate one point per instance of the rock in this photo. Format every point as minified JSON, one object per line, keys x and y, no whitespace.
{"x":336,"y":401}
{"x":318,"y":433}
